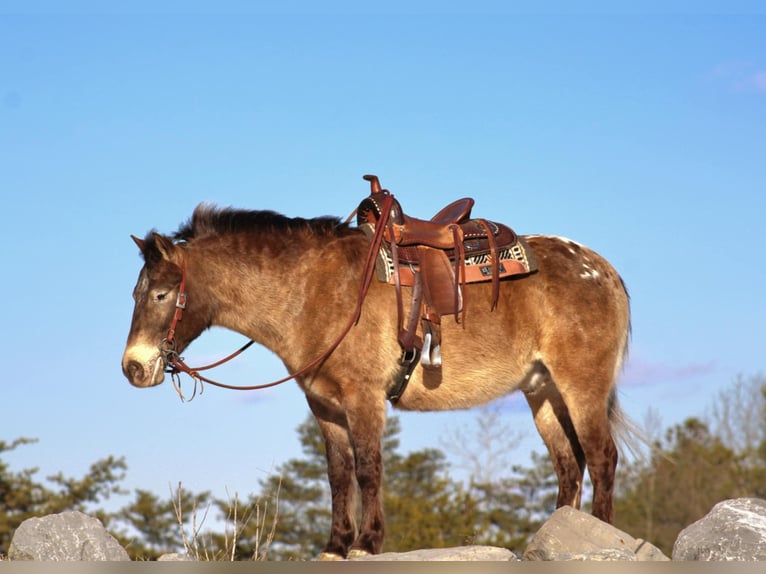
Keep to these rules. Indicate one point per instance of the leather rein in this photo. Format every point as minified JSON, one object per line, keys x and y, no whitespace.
{"x":175,"y":364}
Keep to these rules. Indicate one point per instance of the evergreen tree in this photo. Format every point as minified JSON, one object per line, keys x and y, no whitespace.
{"x":511,"y":500}
{"x":295,"y":501}
{"x":157,"y":526}
{"x":84,"y":494}
{"x":739,"y":420}
{"x":696,"y":465}
{"x":22,"y":496}
{"x":513,"y":508}
{"x":693,"y":466}
{"x":685,"y":477}
{"x":424,"y":508}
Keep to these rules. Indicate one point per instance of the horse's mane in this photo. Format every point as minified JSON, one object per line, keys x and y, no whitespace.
{"x":210,"y":220}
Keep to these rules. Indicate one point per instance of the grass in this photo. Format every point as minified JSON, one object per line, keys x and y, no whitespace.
{"x":199,"y":546}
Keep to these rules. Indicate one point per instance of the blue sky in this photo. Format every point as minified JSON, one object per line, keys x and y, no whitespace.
{"x":639,"y":132}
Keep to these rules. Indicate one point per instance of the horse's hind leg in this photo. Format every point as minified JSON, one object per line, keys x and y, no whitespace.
{"x":557,"y":431}
{"x":340,"y":472}
{"x":591,"y":421}
{"x":588,"y":411}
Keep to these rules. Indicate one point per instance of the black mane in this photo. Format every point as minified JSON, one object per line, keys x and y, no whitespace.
{"x":211,"y":220}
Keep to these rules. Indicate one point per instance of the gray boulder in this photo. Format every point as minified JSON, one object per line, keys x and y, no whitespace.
{"x":175,"y":557}
{"x":734,"y":530}
{"x":454,"y":554}
{"x":64,"y":537}
{"x":604,"y":555}
{"x":570,"y":534}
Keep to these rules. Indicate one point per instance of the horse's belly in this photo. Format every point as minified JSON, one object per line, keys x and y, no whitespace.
{"x":445,"y":388}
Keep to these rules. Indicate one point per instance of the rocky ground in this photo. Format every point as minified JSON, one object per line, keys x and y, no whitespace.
{"x":734,"y":530}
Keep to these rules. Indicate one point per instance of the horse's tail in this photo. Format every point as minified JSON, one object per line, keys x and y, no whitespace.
{"x":627,"y":433}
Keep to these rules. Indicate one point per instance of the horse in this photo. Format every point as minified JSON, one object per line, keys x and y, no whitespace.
{"x":558,"y":335}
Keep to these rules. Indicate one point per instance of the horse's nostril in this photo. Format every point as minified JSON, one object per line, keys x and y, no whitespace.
{"x":134,"y":371}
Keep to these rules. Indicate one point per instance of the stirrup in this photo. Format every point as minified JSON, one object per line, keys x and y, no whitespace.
{"x":431,"y":357}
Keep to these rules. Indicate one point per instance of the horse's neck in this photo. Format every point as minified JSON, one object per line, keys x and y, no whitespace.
{"x":270,"y":296}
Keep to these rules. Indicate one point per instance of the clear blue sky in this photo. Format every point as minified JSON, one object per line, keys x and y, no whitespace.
{"x":641,"y":133}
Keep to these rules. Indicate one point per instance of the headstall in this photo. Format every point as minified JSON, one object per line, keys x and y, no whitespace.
{"x":175,"y":364}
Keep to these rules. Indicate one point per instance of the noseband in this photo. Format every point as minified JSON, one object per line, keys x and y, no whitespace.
{"x":175,"y":364}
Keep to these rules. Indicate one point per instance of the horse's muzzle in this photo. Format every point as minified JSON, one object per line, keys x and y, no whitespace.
{"x":143,"y":372}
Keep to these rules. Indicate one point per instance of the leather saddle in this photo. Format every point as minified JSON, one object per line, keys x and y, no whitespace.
{"x":437,"y":257}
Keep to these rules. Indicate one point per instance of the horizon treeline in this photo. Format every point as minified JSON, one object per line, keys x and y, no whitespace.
{"x":675,"y":480}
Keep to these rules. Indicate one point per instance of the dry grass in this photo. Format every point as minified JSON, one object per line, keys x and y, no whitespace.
{"x":198,"y":545}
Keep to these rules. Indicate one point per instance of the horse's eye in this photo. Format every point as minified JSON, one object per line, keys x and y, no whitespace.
{"x":159,"y":297}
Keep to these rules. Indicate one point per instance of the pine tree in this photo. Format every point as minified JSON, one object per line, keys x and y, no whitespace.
{"x":423,"y":507}
{"x":512,"y":509}
{"x":157,"y":526}
{"x":295,"y":501}
{"x":22,"y":496}
{"x":689,"y":473}
{"x":512,"y":501}
{"x":739,"y":420}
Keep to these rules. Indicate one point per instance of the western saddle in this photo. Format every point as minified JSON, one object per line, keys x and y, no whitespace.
{"x":437,"y":257}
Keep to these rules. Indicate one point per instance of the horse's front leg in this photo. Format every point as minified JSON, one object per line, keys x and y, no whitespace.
{"x":340,"y":472}
{"x":366,"y":421}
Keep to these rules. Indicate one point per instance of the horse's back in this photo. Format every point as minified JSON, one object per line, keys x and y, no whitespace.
{"x":572,"y":316}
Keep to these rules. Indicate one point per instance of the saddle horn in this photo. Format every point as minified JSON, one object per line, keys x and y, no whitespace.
{"x":374,"y":183}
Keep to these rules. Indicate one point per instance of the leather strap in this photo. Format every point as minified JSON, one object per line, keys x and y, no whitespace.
{"x":495,"y":262}
{"x":180,"y":305}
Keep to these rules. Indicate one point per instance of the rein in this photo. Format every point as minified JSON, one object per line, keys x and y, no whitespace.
{"x":176,"y":364}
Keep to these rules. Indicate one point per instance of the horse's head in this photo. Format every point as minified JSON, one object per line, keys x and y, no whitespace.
{"x":154,"y":333}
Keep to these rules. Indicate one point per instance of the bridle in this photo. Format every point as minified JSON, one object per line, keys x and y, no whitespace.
{"x":175,"y":364}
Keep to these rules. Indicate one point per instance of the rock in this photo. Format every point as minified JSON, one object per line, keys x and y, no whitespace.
{"x":63,"y":537}
{"x":732,"y":530}
{"x":454,"y":554}
{"x":605,"y":555}
{"x":648,"y":552}
{"x":570,"y":534}
{"x":174,"y":557}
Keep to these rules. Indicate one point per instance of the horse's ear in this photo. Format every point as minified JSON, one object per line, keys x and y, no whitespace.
{"x":140,"y":242}
{"x":166,"y":247}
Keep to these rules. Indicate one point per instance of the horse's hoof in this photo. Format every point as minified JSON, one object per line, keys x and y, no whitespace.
{"x":357,"y":553}
{"x":329,"y":557}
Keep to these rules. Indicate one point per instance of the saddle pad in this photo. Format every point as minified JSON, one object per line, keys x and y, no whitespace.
{"x":515,"y":259}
